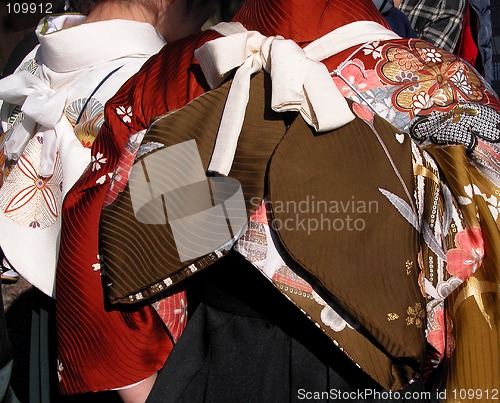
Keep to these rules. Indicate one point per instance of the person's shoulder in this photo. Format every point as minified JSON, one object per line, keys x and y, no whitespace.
{"x":400,"y":23}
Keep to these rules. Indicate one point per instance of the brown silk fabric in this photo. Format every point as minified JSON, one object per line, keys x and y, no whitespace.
{"x":362,"y":272}
{"x":142,"y":258}
{"x":362,"y":267}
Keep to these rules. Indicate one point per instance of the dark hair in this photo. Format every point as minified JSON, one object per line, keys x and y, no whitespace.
{"x":80,"y":6}
{"x":226,"y":9}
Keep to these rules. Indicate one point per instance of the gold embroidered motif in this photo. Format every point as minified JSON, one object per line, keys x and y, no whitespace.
{"x":392,"y":316}
{"x":415,"y":315}
{"x":86,"y":116}
{"x":456,"y":113}
{"x":409,"y":267}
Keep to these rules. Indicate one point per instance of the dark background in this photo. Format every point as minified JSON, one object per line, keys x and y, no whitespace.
{"x":495,"y":24}
{"x":14,"y":27}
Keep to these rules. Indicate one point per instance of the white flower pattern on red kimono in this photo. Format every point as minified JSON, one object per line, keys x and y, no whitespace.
{"x":97,"y":161}
{"x":125,"y":113}
{"x":374,"y":49}
{"x":97,"y":266}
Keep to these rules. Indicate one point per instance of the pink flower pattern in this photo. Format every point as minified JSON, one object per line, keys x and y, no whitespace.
{"x":357,"y":77}
{"x":441,"y":338}
{"x":467,"y":257}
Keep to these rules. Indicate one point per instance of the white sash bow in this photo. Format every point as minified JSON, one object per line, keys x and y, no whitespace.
{"x":300,"y":82}
{"x":40,"y":105}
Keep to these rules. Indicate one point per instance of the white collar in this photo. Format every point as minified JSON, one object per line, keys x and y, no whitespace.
{"x":86,"y":45}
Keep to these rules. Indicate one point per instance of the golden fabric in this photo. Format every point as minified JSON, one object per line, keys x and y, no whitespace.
{"x":474,"y":307}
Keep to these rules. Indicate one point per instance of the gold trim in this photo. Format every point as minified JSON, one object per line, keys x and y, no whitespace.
{"x":420,"y":170}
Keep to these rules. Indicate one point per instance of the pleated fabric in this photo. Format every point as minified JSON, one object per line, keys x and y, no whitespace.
{"x":124,"y":239}
{"x":102,"y":347}
{"x":98,"y":349}
{"x":305,"y":21}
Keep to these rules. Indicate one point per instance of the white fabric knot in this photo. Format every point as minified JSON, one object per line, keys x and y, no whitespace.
{"x":40,"y":105}
{"x":300,"y":82}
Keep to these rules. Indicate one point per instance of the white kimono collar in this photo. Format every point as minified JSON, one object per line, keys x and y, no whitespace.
{"x":62,"y":49}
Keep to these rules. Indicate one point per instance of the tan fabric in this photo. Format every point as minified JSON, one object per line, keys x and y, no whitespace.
{"x":475,"y":306}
